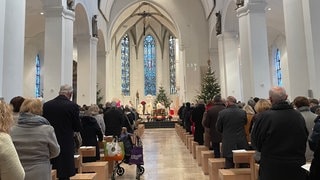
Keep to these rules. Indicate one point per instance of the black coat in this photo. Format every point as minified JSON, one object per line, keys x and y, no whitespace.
{"x":63,"y":115}
{"x":280,"y":134}
{"x":89,"y":134}
{"x":197,"y":115}
{"x":211,"y":120}
{"x":231,"y":123}
{"x":114,"y":120}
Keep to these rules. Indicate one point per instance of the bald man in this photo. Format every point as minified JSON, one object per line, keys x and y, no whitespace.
{"x":280,"y":134}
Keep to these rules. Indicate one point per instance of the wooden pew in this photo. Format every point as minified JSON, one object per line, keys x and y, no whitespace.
{"x":99,"y":167}
{"x":53,"y":174}
{"x":214,"y":164}
{"x":86,"y":176}
{"x":240,"y":156}
{"x":199,"y":149}
{"x":205,"y":155}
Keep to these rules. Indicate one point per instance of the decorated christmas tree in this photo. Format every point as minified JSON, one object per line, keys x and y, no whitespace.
{"x":162,"y":98}
{"x":209,"y":86}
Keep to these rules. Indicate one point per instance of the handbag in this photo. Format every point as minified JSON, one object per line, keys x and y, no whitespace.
{"x":114,"y":151}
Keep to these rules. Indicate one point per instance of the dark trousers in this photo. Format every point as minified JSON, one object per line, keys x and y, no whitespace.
{"x":229,"y":163}
{"x":216,"y":149}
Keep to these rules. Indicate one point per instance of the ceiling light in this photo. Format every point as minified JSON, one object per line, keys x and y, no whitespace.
{"x":269,"y":8}
{"x":41,"y":13}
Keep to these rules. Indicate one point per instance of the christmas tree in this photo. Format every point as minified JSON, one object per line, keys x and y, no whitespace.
{"x":209,"y":86}
{"x":162,"y":98}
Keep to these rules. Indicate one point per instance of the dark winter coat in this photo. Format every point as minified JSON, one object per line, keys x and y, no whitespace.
{"x":231,"y":123}
{"x":197,"y":115}
{"x":280,"y":134}
{"x":315,"y":165}
{"x":63,"y":115}
{"x":113,"y":119}
{"x":90,"y":133}
{"x":211,"y":120}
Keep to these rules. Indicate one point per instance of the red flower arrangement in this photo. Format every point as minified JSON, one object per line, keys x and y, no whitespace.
{"x":143,"y":103}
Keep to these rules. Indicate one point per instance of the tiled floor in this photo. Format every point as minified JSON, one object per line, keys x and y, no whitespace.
{"x":165,"y":158}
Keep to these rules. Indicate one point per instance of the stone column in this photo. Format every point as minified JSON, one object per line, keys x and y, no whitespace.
{"x":230,"y":44}
{"x":222,"y":66}
{"x":101,"y":74}
{"x":12,"y":27}
{"x":254,"y":61}
{"x":312,"y":28}
{"x":58,"y":57}
{"x":87,"y":69}
{"x":2,"y":25}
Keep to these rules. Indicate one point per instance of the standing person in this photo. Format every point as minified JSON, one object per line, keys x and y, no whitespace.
{"x":16,"y":104}
{"x":303,"y":106}
{"x":230,"y":123}
{"x":210,"y":122}
{"x":197,"y":115}
{"x":90,"y":133}
{"x":63,"y":115}
{"x":280,"y":134}
{"x":35,"y":141}
{"x":10,"y":166}
{"x":186,"y":117}
{"x":314,"y":146}
{"x":113,"y":119}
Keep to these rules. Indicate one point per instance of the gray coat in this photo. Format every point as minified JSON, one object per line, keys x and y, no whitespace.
{"x":231,"y":123}
{"x":309,"y":117}
{"x":36,"y":144}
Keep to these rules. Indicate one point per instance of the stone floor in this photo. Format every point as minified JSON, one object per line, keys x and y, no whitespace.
{"x":165,"y":158}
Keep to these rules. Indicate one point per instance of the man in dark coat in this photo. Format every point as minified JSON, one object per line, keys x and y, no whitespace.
{"x":197,"y":115}
{"x":114,"y":120}
{"x":210,"y":122}
{"x":63,"y":115}
{"x":280,"y":134}
{"x":231,"y":123}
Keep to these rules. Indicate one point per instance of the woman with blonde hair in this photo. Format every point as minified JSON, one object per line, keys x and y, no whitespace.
{"x":35,"y":141}
{"x":10,"y":166}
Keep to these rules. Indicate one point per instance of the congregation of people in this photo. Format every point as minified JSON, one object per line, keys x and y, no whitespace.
{"x":38,"y":136}
{"x":284,"y":134}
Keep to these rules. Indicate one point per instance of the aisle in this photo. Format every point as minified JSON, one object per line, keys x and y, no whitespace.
{"x":165,"y":158}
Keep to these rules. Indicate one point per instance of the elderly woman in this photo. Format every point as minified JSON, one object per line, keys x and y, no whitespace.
{"x":35,"y":141}
{"x":10,"y":166}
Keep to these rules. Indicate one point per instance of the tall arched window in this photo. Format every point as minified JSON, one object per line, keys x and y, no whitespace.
{"x":172,"y":65}
{"x":149,"y":66}
{"x":125,"y":66}
{"x":277,"y":62}
{"x":38,"y":89}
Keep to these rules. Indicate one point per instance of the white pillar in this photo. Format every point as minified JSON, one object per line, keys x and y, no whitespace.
{"x":12,"y":46}
{"x":296,"y":48}
{"x":312,"y":28}
{"x":255,"y":73}
{"x":101,"y":74}
{"x":87,"y":70}
{"x":2,"y":24}
{"x":232,"y":66}
{"x":58,"y":57}
{"x":222,"y":67}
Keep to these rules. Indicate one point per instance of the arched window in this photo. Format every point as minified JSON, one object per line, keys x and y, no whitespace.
{"x":125,"y":66}
{"x":172,"y":65}
{"x":38,"y":89}
{"x":277,"y":62}
{"x":149,"y":66}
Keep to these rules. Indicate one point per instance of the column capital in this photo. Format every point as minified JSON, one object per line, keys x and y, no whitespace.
{"x":252,"y":7}
{"x":58,"y":11}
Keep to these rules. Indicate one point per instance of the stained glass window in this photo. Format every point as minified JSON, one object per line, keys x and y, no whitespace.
{"x":125,"y":66}
{"x":172,"y":65}
{"x":149,"y":66}
{"x":277,"y":61}
{"x":38,"y":89}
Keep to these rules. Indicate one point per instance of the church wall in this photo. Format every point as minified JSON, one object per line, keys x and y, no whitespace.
{"x":33,"y":47}
{"x":193,"y":40}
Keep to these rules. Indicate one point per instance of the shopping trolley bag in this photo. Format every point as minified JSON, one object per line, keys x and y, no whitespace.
{"x":136,"y":155}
